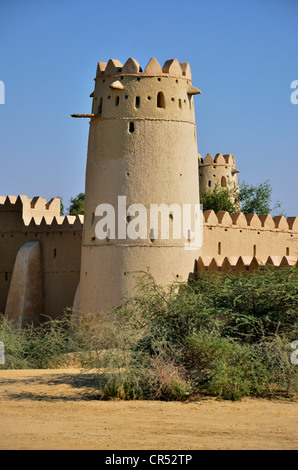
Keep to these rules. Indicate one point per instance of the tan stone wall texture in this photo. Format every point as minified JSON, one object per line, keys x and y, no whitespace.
{"x":60,"y":241}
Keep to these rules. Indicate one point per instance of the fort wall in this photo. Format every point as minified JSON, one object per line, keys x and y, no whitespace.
{"x":230,"y":242}
{"x":60,"y":239}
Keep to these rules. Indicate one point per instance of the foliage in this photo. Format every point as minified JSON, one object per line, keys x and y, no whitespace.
{"x":77,"y":204}
{"x":220,"y":199}
{"x":61,"y":206}
{"x":33,"y":347}
{"x":257,"y":199}
{"x":250,"y":198}
{"x":222,"y":335}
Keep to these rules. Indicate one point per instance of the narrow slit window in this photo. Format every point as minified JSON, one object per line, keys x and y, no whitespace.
{"x":287,"y":251}
{"x":180,"y":103}
{"x":219,"y":248}
{"x":99,"y":110}
{"x":54,"y":253}
{"x":137,"y":101}
{"x":209,"y":183}
{"x":254,"y":251}
{"x":131,"y":127}
{"x":160,"y":100}
{"x":117,"y":101}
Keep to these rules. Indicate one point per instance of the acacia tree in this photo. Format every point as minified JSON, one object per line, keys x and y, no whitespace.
{"x":257,"y":198}
{"x":251,"y":198}
{"x":77,"y":204}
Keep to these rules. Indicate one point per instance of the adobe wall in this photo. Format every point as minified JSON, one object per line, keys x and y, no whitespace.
{"x":239,"y":235}
{"x":60,"y":239}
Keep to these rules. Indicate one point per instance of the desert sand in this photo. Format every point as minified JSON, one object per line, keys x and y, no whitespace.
{"x":58,"y":409}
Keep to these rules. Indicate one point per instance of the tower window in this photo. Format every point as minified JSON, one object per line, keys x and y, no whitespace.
{"x":180,"y":103}
{"x":99,"y":111}
{"x":131,"y":127}
{"x":209,"y":183}
{"x":254,"y":250}
{"x":223,"y":182}
{"x":137,"y":101}
{"x":219,"y":248}
{"x":160,"y":100}
{"x":117,"y":101}
{"x":287,"y":251}
{"x":54,"y":253}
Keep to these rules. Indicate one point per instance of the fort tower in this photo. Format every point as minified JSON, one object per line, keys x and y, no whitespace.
{"x":142,"y":145}
{"x":220,"y":170}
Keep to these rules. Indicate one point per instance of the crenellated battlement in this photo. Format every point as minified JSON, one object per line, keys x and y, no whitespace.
{"x":57,"y":224}
{"x":171,"y":68}
{"x":251,"y":221}
{"x":237,"y":264}
{"x":22,"y":213}
{"x":219,"y":159}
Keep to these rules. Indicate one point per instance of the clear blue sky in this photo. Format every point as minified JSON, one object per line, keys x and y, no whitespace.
{"x":243,"y":56}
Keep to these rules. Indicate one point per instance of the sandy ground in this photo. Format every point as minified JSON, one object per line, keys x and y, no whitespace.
{"x":57,"y":409}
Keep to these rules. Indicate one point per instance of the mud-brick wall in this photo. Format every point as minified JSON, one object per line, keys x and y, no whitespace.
{"x":61,"y":257}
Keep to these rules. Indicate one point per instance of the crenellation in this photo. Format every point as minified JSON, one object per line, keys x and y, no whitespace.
{"x":253,"y":221}
{"x":224,"y":218}
{"x":267,"y":221}
{"x":210,"y":217}
{"x":171,"y":68}
{"x":241,"y":263}
{"x":293,"y":223}
{"x":239,"y":219}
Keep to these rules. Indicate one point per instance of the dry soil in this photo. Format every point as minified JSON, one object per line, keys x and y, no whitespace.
{"x":58,"y":409}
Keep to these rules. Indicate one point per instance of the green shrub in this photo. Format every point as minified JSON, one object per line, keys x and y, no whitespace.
{"x":222,"y":335}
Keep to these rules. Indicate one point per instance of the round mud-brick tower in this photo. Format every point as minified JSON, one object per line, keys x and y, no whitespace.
{"x":220,"y":171}
{"x":142,"y":147}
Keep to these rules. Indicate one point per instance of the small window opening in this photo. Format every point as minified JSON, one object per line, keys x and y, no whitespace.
{"x":254,"y":251}
{"x":287,"y":251}
{"x":131,"y":127}
{"x":137,"y":101}
{"x":6,"y":276}
{"x":209,"y":183}
{"x":99,"y":111}
{"x":223,"y":182}
{"x":117,"y":101}
{"x":54,"y":253}
{"x":180,"y":103}
{"x":160,"y":100}
{"x":219,"y":248}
